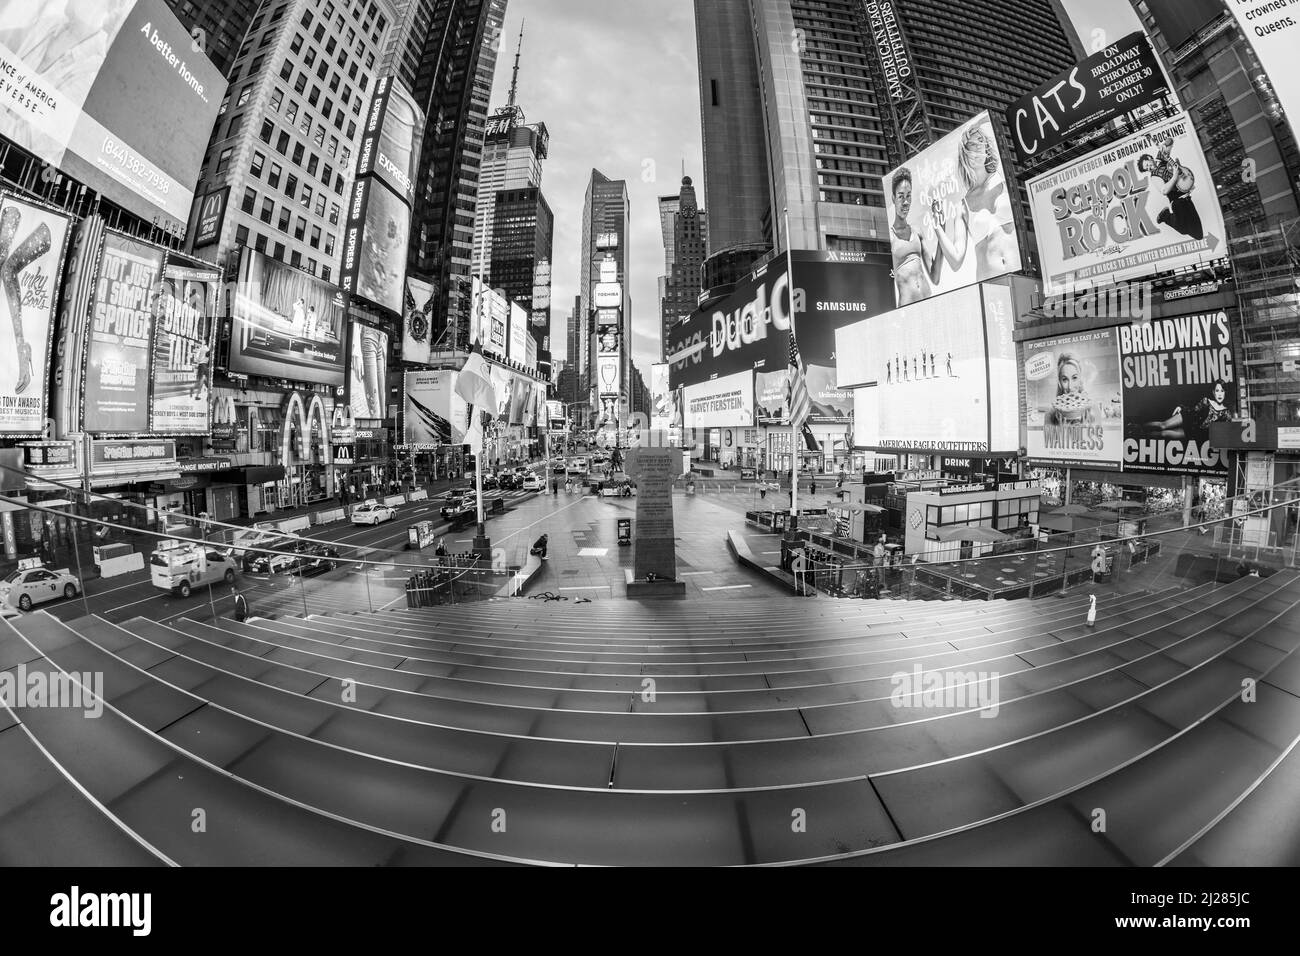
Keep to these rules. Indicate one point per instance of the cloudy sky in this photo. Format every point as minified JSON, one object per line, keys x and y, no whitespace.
{"x":616,"y":85}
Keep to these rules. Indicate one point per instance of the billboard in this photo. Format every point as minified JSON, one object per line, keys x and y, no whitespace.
{"x":1111,"y":82}
{"x":417,"y":321}
{"x":368,"y":372}
{"x":122,"y":318}
{"x":434,"y":413}
{"x":523,"y":410}
{"x":183,"y":309}
{"x":113,"y":93}
{"x":519,"y":336}
{"x":608,"y":339}
{"x":503,"y":383}
{"x":212,"y":212}
{"x":390,"y":142}
{"x":1273,"y":34}
{"x":609,"y":375}
{"x":661,"y":397}
{"x":950,"y":217}
{"x":1073,"y":402}
{"x":1142,"y":205}
{"x":835,"y":289}
{"x":608,"y":295}
{"x":1178,"y":379}
{"x":770,"y":397}
{"x":32,"y":242}
{"x":725,"y":401}
{"x":286,"y":323}
{"x":374,"y":244}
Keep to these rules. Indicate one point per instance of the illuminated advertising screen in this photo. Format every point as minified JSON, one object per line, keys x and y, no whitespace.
{"x":608,"y":375}
{"x":519,"y":336}
{"x":434,"y":413}
{"x":390,"y":143}
{"x":374,"y":245}
{"x":122,"y":319}
{"x":286,"y":323}
{"x":661,"y":397}
{"x":1073,"y":403}
{"x":522,"y":410}
{"x":503,"y":383}
{"x":368,"y":372}
{"x":608,"y":339}
{"x":113,"y":93}
{"x":417,"y":321}
{"x":725,"y":401}
{"x":949,"y":213}
{"x":1142,"y":205}
{"x":35,"y":239}
{"x":182,"y":350}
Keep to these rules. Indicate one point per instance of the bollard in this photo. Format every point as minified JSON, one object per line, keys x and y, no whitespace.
{"x":1092,"y":610}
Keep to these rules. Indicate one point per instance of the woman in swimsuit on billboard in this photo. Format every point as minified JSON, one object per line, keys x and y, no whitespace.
{"x":987,"y":206}
{"x":916,"y":267}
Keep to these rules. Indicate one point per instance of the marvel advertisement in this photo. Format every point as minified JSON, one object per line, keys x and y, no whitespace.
{"x":1142,"y":205}
{"x":368,"y":372}
{"x":1111,"y":82}
{"x":950,"y":217}
{"x":1073,"y":400}
{"x":434,"y":413}
{"x":182,"y":360}
{"x":374,"y":245}
{"x":417,"y":321}
{"x":1178,"y":379}
{"x":32,"y":241}
{"x":120,"y":344}
{"x":286,"y":323}
{"x":113,"y":93}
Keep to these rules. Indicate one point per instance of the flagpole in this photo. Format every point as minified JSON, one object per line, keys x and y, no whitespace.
{"x":794,"y":428}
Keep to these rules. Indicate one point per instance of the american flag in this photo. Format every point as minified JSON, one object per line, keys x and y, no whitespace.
{"x":796,"y":394}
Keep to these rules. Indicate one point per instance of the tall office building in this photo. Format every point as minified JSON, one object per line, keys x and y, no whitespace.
{"x":223,"y":23}
{"x":605,"y":229}
{"x":685,"y":241}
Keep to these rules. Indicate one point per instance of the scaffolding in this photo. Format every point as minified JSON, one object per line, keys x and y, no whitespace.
{"x":1266,"y":265}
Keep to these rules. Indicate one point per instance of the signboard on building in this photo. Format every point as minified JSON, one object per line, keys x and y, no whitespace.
{"x":725,"y":401}
{"x":1273,"y":31}
{"x":212,"y":212}
{"x":184,"y":307}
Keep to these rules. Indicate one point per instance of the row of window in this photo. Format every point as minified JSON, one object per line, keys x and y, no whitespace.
{"x":249,"y":205}
{"x":273,"y":178}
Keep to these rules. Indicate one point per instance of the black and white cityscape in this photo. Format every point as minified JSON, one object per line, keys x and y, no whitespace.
{"x":698,"y":434}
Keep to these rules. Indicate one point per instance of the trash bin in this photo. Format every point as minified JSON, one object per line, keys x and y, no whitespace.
{"x":624,"y":531}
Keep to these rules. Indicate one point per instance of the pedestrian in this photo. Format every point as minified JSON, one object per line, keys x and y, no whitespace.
{"x":555,"y":486}
{"x":241,"y":606}
{"x":812,"y":487}
{"x":879,"y":552}
{"x":762,"y":491}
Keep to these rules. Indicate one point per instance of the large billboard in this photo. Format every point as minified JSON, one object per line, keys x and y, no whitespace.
{"x":609,"y":377}
{"x":286,"y":323}
{"x":122,"y":319}
{"x":1111,"y":82}
{"x":32,"y":242}
{"x":661,"y":397}
{"x":417,"y":321}
{"x":949,"y":212}
{"x":1073,"y":401}
{"x":928,"y":367}
{"x":368,"y":372}
{"x":519,"y":336}
{"x":1274,"y":33}
{"x":1143,"y":205}
{"x":434,"y":413}
{"x":390,"y":143}
{"x":1178,"y":379}
{"x":182,"y":350}
{"x":374,"y":244}
{"x":113,"y":93}
{"x":725,"y":401}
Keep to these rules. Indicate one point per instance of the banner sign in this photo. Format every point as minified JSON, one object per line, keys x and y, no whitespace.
{"x":112,"y":455}
{"x":1111,"y":82}
{"x":1143,"y":205}
{"x":183,"y":308}
{"x":368,"y":372}
{"x":212,"y":212}
{"x":390,"y":142}
{"x":726,"y":401}
{"x":417,"y":322}
{"x":374,"y":244}
{"x":1074,"y":408}
{"x":35,"y":239}
{"x":434,"y":414}
{"x":122,"y":320}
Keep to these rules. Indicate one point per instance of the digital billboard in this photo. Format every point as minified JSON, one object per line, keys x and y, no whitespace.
{"x":113,"y":93}
{"x":368,"y":372}
{"x":1142,"y":205}
{"x":1178,"y":378}
{"x":434,"y":413}
{"x":1113,"y":81}
{"x":417,"y":321}
{"x":374,"y":244}
{"x":184,"y":307}
{"x":661,"y":397}
{"x":608,"y":375}
{"x":519,"y":336}
{"x":725,"y":401}
{"x":949,"y":213}
{"x":503,"y":383}
{"x":835,"y":289}
{"x":119,"y":347}
{"x":390,"y":142}
{"x":286,"y":323}
{"x":1073,"y":403}
{"x":32,"y":243}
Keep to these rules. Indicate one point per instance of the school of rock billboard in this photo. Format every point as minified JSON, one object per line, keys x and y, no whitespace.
{"x":1142,"y":205}
{"x":33,"y":255}
{"x":182,"y":350}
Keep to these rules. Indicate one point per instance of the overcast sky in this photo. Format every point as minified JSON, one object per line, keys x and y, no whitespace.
{"x":616,"y":85}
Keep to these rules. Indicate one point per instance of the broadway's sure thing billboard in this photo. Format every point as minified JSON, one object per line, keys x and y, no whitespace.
{"x":112,"y":92}
{"x":122,"y":319}
{"x":374,"y":244}
{"x":1111,"y":82}
{"x":33,"y":239}
{"x":1178,"y":379}
{"x":434,"y":413}
{"x":728,"y":400}
{"x":368,"y":372}
{"x":287,"y":324}
{"x":1143,"y":205}
{"x":183,"y":310}
{"x":949,"y":212}
{"x":417,"y":321}
{"x":1073,"y":401}
{"x":1273,"y":30}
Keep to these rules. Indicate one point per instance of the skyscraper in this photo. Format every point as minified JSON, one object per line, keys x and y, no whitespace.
{"x":603,"y":258}
{"x":223,"y":23}
{"x":685,"y":240}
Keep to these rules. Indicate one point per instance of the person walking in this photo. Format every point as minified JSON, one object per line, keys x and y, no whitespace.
{"x":241,"y":606}
{"x":812,"y":488}
{"x":879,"y":552}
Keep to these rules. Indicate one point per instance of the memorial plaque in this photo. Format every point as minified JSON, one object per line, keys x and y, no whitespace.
{"x":654,"y":469}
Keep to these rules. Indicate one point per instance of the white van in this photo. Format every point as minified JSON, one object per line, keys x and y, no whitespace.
{"x":181,"y":566}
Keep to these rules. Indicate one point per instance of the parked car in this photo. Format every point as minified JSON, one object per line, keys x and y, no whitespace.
{"x":372,"y":512}
{"x":534,"y":483}
{"x":489,"y":482}
{"x":181,"y":566}
{"x":35,"y":584}
{"x":317,"y":559}
{"x":576,"y":466}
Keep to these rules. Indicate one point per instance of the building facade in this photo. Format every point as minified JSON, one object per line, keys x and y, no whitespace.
{"x":685,"y":242}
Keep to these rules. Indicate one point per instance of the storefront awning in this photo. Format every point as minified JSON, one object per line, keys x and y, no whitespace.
{"x":250,"y":475}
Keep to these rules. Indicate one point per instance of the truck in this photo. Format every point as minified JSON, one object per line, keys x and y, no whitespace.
{"x":181,"y":566}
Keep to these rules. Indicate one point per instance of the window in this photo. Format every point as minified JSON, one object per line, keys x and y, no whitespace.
{"x":297,"y":153}
{"x":283,"y":224}
{"x":311,"y":266}
{"x":260,"y":243}
{"x":296,"y":45}
{"x":334,"y":145}
{"x":266,"y":39}
{"x":310,"y":58}
{"x":323,"y":69}
{"x":319,"y":33}
{"x":365,"y":80}
{"x":268,"y":211}
{"x":328,"y":107}
{"x":224,"y":103}
{"x":330,"y":44}
{"x":292,"y":112}
{"x":286,"y":69}
{"x":275,"y":17}
{"x":291,"y":185}
{"x":241,"y":235}
{"x":338,"y":120}
{"x":277,"y":97}
{"x":320,"y":204}
{"x":295,"y":258}
{"x":312,"y":162}
{"x":250,"y":200}
{"x":223,"y":160}
{"x":277,"y":251}
{"x":305,"y":126}
{"x":300,"y":84}
{"x":329,"y":243}
{"x":315,"y":237}
{"x":338,"y":185}
{"x":347,"y":154}
{"x":334,"y":214}
{"x":307,"y":17}
{"x":325,"y":273}
{"x":319,"y":138}
{"x":352,"y":72}
{"x":256,"y":68}
{"x":256,"y":166}
{"x":300,"y":228}
{"x":352,"y":129}
{"x":244,"y":95}
{"x":347,"y":93}
{"x":305,"y":197}
{"x":314,"y":98}
{"x":282,"y":144}
{"x":274,"y":178}
{"x":370,"y":64}
{"x":236,"y":124}
{"x":356,"y":106}
{"x":326,"y":174}
{"x":334,"y":83}
{"x":267,"y":129}
{"x":352,"y":36}
{"x":328,"y":10}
